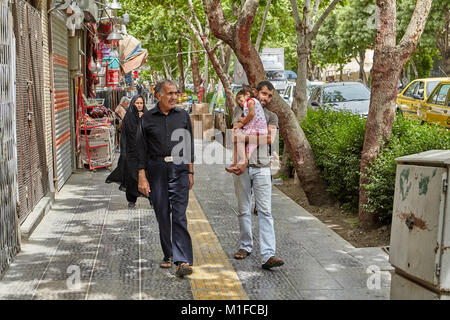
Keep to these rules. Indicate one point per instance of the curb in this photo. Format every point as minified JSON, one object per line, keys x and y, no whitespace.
{"x":35,"y":217}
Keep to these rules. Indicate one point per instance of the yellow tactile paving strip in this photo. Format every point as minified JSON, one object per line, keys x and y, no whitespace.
{"x":213,"y":278}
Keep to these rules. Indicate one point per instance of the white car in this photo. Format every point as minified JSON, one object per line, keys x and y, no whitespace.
{"x":289,"y":93}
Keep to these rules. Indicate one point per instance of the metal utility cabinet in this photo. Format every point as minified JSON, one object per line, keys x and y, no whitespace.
{"x":420,"y":233}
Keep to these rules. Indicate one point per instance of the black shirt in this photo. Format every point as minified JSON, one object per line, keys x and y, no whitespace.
{"x":158,"y":136}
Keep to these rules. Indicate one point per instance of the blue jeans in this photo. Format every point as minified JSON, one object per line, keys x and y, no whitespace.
{"x":258,"y":179}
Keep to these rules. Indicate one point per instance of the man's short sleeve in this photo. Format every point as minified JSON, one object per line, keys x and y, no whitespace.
{"x":271,"y":118}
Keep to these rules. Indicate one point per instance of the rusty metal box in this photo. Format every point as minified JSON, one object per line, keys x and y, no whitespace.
{"x":420,"y":233}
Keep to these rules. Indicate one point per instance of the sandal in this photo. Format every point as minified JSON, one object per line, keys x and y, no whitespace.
{"x":183,"y":269}
{"x":241,"y":254}
{"x":166,"y":264}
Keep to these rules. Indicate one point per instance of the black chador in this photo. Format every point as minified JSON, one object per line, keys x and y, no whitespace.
{"x":126,"y":173}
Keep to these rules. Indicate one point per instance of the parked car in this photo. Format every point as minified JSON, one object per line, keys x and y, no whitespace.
{"x":289,"y":93}
{"x":290,"y":89}
{"x":353,"y":96}
{"x":415,"y":93}
{"x":313,"y":84}
{"x":436,"y":109}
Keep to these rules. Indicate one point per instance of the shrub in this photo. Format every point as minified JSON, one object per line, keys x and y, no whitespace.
{"x":408,"y":137}
{"x":336,"y":138}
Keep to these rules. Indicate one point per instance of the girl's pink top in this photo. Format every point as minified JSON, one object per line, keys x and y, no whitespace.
{"x":258,"y":124}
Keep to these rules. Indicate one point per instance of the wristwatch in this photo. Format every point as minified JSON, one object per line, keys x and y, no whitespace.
{"x":190,"y":172}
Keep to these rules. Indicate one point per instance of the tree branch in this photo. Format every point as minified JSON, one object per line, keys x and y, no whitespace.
{"x":216,"y":46}
{"x":194,"y":16}
{"x":415,"y":27}
{"x":297,"y":19}
{"x":263,"y":25}
{"x":246,"y":16}
{"x":221,"y":27}
{"x":306,"y":11}
{"x":322,"y":18}
{"x":315,"y":10}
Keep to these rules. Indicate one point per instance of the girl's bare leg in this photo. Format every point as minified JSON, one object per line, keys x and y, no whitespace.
{"x":231,"y":168}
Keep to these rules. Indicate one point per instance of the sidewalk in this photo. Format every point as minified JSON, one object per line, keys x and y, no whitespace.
{"x":91,"y":235}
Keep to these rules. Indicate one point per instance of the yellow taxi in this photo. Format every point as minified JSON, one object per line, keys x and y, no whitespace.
{"x":436,"y":109}
{"x":415,"y":93}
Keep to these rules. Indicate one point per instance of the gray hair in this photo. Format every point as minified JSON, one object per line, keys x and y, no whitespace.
{"x":161,"y":84}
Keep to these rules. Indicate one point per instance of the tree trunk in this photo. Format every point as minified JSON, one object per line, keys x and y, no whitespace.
{"x":237,"y":36}
{"x":180,"y":67}
{"x":206,"y":77}
{"x":284,"y":167}
{"x":379,"y":123}
{"x":263,"y":26}
{"x":226,"y":68}
{"x":218,"y":67}
{"x":362,"y":72}
{"x":167,"y":70}
{"x":413,"y":66}
{"x":224,"y":79}
{"x":189,"y":62}
{"x":446,"y":62}
{"x":300,"y":95}
{"x":442,"y":42}
{"x":196,"y":78}
{"x":389,"y":59}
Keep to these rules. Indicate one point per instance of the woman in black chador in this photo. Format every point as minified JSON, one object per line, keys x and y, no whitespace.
{"x":126,"y":173}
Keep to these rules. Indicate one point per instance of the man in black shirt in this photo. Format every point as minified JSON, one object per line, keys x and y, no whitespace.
{"x":165,"y":147}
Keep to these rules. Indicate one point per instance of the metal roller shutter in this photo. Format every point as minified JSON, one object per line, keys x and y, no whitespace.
{"x":9,"y":241}
{"x":31,"y":158}
{"x":61,"y":101}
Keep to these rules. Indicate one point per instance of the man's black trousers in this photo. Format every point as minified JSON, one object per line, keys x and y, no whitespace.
{"x":169,"y":184}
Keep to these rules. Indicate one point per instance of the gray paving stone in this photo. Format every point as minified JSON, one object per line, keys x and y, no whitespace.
{"x":346,"y":294}
{"x":312,"y":251}
{"x":274,"y":294}
{"x":358,"y":278}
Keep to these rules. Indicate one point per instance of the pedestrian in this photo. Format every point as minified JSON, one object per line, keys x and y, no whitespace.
{"x":120,"y":112}
{"x":166,"y":156}
{"x":146,"y":92}
{"x":257,"y":177}
{"x":152,"y":91}
{"x":126,"y":173}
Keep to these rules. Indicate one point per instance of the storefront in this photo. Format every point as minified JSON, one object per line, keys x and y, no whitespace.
{"x":110,"y":54}
{"x":91,"y":54}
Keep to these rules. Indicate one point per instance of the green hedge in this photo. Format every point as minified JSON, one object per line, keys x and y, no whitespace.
{"x":337,"y":138}
{"x":408,"y":137}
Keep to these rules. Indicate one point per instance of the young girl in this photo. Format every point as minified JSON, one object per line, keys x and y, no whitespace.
{"x":252,"y":124}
